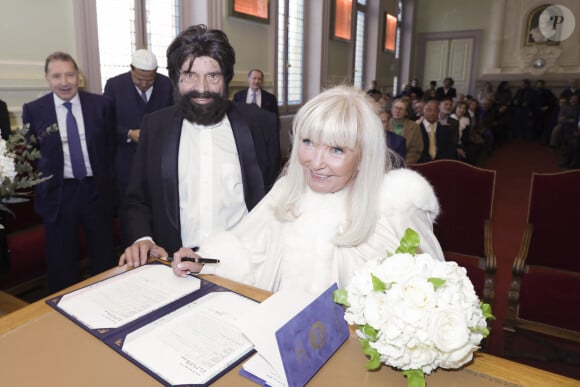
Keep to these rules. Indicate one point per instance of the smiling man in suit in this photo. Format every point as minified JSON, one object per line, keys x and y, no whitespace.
{"x":438,"y":139}
{"x":133,"y":94}
{"x":79,"y":157}
{"x":255,"y":94}
{"x":202,"y":164}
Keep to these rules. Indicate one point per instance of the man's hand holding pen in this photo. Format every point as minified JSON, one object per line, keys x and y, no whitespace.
{"x":185,"y":261}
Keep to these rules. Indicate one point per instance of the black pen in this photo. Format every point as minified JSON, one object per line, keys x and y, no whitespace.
{"x":196,"y":260}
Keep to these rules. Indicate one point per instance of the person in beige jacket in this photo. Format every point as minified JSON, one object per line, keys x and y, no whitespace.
{"x":403,"y":126}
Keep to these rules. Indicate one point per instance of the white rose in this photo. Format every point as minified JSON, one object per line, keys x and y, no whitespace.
{"x":448,"y":329}
{"x":459,"y":357}
{"x":422,"y":357}
{"x":418,"y":293}
{"x":7,"y":168}
{"x":375,"y":311}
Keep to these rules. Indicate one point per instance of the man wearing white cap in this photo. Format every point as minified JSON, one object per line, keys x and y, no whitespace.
{"x":137,"y":92}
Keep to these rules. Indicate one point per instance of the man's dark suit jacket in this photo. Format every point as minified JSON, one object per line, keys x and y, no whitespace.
{"x":446,"y":147}
{"x":4,"y":120}
{"x":397,"y":144}
{"x":129,"y":111}
{"x":151,"y":204}
{"x":269,"y":101}
{"x":100,"y":138}
{"x":454,"y":126}
{"x":441,"y":93}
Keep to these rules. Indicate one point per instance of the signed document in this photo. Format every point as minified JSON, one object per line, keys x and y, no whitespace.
{"x":194,"y":343}
{"x":124,"y":298}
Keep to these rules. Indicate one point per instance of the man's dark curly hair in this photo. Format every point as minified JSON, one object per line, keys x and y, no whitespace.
{"x":197,"y":41}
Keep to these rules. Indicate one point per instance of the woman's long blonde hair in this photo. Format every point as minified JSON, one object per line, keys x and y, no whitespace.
{"x":341,"y":117}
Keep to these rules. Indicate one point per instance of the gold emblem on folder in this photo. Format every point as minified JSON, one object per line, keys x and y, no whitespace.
{"x":317,"y":335}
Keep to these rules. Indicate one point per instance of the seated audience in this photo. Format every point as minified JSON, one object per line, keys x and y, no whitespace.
{"x":438,"y":140}
{"x":475,"y":141}
{"x":571,"y":90}
{"x":488,"y":122}
{"x":486,"y":92}
{"x":522,"y":118}
{"x":417,"y":111}
{"x":447,"y":90}
{"x":432,"y":89}
{"x":337,"y":205}
{"x":445,"y":110}
{"x":574,"y":150}
{"x":395,"y":142}
{"x":503,"y":99}
{"x":402,"y":126}
{"x":385,"y":101}
{"x":460,"y":114}
{"x":555,"y":140}
{"x":545,"y":105}
{"x":416,"y":88}
{"x":373,"y":91}
{"x":564,"y":134}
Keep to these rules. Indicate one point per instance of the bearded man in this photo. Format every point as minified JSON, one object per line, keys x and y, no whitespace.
{"x":202,"y":164}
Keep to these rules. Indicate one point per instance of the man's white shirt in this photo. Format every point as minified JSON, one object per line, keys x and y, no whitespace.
{"x":211,"y":192}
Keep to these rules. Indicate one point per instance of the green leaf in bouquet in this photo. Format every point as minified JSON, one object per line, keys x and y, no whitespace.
{"x":378,"y":284}
{"x":486,"y":309}
{"x":374,"y":356}
{"x":484,"y":331}
{"x":340,"y":296}
{"x":415,"y":378}
{"x":370,"y":332}
{"x":437,"y":282}
{"x":409,"y":242}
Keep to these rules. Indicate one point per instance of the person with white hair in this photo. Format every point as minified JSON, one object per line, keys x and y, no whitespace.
{"x":337,"y":205}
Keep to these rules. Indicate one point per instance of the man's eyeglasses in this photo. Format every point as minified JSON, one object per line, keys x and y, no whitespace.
{"x":193,"y":78}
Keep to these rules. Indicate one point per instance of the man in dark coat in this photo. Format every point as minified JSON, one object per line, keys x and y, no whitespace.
{"x":203,"y":164}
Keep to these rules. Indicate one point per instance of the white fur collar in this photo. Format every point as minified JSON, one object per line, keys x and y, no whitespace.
{"x":405,"y":189}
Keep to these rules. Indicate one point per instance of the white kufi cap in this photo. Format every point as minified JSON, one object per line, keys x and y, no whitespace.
{"x":144,"y":60}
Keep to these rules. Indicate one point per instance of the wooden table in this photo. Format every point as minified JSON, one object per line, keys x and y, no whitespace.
{"x":41,"y":347}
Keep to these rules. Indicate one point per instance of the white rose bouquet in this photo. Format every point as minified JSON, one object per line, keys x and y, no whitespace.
{"x":415,"y":313}
{"x":17,"y":170}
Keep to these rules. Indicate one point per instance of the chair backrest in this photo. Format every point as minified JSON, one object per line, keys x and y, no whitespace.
{"x":554,"y":217}
{"x":465,"y":195}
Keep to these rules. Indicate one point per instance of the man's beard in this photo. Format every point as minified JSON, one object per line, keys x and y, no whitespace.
{"x":208,"y":114}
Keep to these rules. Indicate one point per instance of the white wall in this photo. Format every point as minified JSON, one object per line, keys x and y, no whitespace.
{"x":30,"y":30}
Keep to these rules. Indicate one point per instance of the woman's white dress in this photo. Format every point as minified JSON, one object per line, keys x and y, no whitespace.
{"x":264,"y":252}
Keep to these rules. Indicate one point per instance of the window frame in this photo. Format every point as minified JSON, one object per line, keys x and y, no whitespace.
{"x":86,"y":30}
{"x":282,"y":63}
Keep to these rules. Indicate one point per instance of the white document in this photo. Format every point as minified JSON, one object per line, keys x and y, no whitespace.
{"x":258,"y":366}
{"x":126,"y":297}
{"x":261,"y":326}
{"x":194,"y":343}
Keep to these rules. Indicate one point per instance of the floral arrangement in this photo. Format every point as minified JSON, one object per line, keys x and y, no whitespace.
{"x":415,"y":313}
{"x":17,"y":157}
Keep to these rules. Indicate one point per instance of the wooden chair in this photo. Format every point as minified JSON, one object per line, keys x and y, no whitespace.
{"x":543,"y":295}
{"x":463,"y":228}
